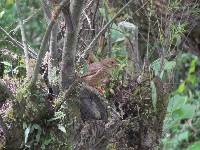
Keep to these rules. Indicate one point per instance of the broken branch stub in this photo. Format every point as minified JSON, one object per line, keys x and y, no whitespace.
{"x":134,"y":60}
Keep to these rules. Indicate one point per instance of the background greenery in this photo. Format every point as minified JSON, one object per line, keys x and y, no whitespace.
{"x":181,"y":128}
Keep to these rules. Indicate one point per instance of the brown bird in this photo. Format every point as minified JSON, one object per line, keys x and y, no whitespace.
{"x":99,"y":71}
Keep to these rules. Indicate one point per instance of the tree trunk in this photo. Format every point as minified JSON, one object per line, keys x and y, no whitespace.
{"x":72,"y":17}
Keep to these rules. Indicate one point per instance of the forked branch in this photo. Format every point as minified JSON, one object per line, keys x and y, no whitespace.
{"x":45,"y":41}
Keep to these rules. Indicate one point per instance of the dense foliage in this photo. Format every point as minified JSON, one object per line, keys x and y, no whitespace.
{"x":172,"y":48}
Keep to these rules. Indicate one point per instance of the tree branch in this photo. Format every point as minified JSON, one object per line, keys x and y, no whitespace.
{"x":26,"y":20}
{"x":24,"y":40}
{"x":46,"y":10}
{"x":109,"y":50}
{"x":105,"y":27}
{"x":45,"y":40}
{"x":69,"y":51}
{"x":53,"y":61}
{"x":32,"y":53}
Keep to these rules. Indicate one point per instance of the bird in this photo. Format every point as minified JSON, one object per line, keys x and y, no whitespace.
{"x":99,"y":71}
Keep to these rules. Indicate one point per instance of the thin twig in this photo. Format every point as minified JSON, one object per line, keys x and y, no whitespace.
{"x":94,"y":17}
{"x":32,"y":53}
{"x":24,"y":39}
{"x":26,"y":20}
{"x":149,"y":28}
{"x":31,"y":16}
{"x":105,"y":27}
{"x":45,"y":40}
{"x":109,"y":39}
{"x":46,"y":10}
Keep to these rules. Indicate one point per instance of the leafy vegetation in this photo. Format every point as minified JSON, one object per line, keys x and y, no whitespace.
{"x":105,"y":74}
{"x":181,"y":124}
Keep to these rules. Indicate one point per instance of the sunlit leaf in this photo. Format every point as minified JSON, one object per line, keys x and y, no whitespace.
{"x":178,"y":114}
{"x":176,"y":102}
{"x":6,"y":63}
{"x":183,"y":136}
{"x":169,"y":65}
{"x":116,"y":33}
{"x":2,"y":13}
{"x":58,"y":115}
{"x":188,"y":111}
{"x":181,"y":87}
{"x":192,"y":78}
{"x":156,"y":66}
{"x":102,"y":12}
{"x":194,"y":146}
{"x":10,"y":2}
{"x":193,"y":65}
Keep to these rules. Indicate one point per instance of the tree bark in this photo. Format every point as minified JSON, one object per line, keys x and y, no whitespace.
{"x":72,"y":17}
{"x":24,"y":39}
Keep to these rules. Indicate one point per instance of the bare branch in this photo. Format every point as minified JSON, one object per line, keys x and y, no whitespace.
{"x":53,"y":61}
{"x":46,"y":9}
{"x":45,"y":40}
{"x":69,"y":51}
{"x":108,"y":52}
{"x":105,"y":27}
{"x":16,"y":43}
{"x":24,"y":39}
{"x":26,"y":20}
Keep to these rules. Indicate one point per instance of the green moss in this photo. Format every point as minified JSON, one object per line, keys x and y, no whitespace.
{"x":58,"y":101}
{"x":31,"y":100}
{"x":10,"y":115}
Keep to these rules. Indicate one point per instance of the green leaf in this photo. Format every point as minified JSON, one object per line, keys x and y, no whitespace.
{"x":188,"y":111}
{"x":183,"y":136}
{"x":48,"y":139}
{"x":192,"y":78}
{"x":181,"y":87}
{"x":185,"y":112}
{"x":176,"y":102}
{"x":2,"y":13}
{"x":6,"y":63}
{"x":58,"y":115}
{"x":194,"y":146}
{"x":161,"y":74}
{"x":193,"y":65}
{"x":10,"y":2}
{"x":84,"y":69}
{"x":116,"y":33}
{"x":156,"y":66}
{"x":120,"y":39}
{"x":178,"y":114}
{"x":169,"y":65}
{"x":102,"y":12}
{"x":171,"y":123}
